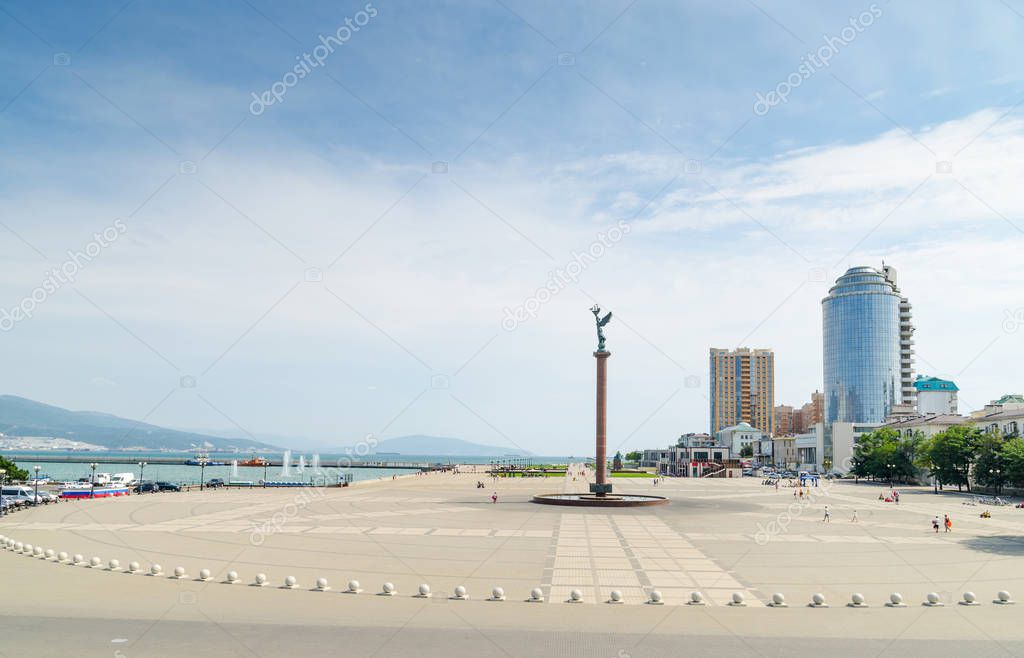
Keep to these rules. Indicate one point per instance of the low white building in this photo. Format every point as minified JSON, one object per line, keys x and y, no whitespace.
{"x":927,"y":424}
{"x":740,"y":436}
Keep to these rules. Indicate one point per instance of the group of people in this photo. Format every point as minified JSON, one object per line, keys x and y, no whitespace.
{"x":828,"y":516}
{"x":946,"y":523}
{"x":894,"y":497}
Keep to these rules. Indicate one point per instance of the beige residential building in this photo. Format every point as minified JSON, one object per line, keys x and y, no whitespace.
{"x":742,"y":385}
{"x":810,"y":414}
{"x":785,"y":416}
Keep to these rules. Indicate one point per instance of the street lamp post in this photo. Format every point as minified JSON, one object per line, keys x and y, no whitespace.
{"x":142,"y":468}
{"x":3,"y":477}
{"x":35,"y":499}
{"x":265,"y":464}
{"x":202,"y":470}
{"x":892,"y":469}
{"x":92,"y":490}
{"x":994,"y":477}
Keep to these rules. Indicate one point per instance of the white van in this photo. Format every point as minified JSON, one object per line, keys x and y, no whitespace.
{"x":18,"y":494}
{"x":122,"y":479}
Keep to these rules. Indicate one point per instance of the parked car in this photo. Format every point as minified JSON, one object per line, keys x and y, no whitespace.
{"x":168,"y":486}
{"x":146,"y":487}
{"x":215,"y":482}
{"x":20,"y":495}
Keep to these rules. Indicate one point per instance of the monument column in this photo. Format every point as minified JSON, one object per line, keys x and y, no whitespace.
{"x":601,"y":487}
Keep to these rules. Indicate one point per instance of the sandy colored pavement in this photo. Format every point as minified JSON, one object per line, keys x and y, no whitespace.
{"x":717,"y":536}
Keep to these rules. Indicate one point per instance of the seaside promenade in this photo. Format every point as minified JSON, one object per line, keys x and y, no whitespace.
{"x":718,"y":537}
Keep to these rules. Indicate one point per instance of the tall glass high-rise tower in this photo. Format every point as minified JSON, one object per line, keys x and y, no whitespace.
{"x":864,"y":349}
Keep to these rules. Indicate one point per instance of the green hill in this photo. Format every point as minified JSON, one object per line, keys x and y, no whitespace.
{"x":23,"y":417}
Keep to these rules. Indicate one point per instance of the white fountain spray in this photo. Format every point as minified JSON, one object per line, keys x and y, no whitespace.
{"x":234,"y":469}
{"x":286,"y":464}
{"x":302,"y":464}
{"x":316,"y":462}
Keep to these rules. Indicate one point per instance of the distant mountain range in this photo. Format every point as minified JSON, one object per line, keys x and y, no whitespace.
{"x":23,"y":417}
{"x":419,"y":444}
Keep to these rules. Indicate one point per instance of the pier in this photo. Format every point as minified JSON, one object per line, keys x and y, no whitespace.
{"x":88,"y":458}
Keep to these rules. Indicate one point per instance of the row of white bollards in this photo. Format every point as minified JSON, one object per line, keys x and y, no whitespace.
{"x":857,"y":600}
{"x":778,"y":600}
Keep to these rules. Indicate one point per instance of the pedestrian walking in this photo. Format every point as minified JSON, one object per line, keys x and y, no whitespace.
{"x":494,"y":497}
{"x":935,"y":524}
{"x":854,"y":519}
{"x":828,"y":515}
{"x":948,"y":523}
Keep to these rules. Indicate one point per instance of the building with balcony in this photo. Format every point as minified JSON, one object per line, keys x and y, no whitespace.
{"x":742,"y":383}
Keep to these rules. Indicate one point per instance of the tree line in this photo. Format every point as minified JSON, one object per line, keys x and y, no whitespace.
{"x":959,"y":455}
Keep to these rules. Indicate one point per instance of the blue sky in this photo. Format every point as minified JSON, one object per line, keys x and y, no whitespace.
{"x":317,"y":280}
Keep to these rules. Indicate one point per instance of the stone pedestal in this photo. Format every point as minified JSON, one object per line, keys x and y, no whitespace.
{"x":602,"y":487}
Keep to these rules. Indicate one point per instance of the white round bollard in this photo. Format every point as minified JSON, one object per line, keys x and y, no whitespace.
{"x":575,"y":596}
{"x":290,"y":582}
{"x":857,"y":600}
{"x":77,"y":559}
{"x":353,"y":587}
{"x":1003,"y":598}
{"x":460,"y":594}
{"x":655,"y":598}
{"x":818,"y":601}
{"x":113,"y":565}
{"x":896,"y":601}
{"x":321,"y":585}
{"x":615,"y":596}
{"x":133,"y":567}
{"x":205,"y":575}
{"x":156,"y":570}
{"x":933,"y":600}
{"x":231,"y":578}
{"x":62,"y":556}
{"x":423,"y":591}
{"x":970,"y":599}
{"x":179,"y":573}
{"x":388,"y":589}
{"x":737,"y":599}
{"x":37,"y":551}
{"x":50,"y":554}
{"x":696,"y":598}
{"x":497,"y":594}
{"x":26,"y":548}
{"x":95,"y":563}
{"x":778,"y":601}
{"x":261,"y":580}
{"x":536,"y":595}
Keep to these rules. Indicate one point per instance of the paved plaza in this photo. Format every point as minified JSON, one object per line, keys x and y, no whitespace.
{"x":719,"y":537}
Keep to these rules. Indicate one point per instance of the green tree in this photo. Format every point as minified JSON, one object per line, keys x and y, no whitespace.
{"x":747,"y":451}
{"x":883,"y":455}
{"x":951,"y":453}
{"x":989,"y":469}
{"x":1013,"y":461}
{"x":634,"y":456}
{"x":13,"y":472}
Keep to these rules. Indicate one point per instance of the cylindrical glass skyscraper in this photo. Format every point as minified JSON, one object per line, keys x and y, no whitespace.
{"x":861,"y":318}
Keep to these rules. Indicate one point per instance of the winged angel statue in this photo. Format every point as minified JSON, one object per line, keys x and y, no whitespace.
{"x":601,"y":322}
